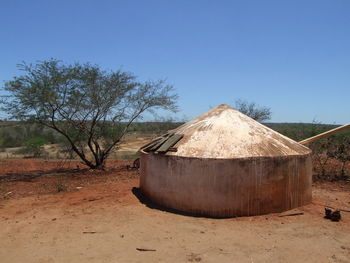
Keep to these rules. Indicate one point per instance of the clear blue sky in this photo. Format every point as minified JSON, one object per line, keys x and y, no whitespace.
{"x":293,"y":56}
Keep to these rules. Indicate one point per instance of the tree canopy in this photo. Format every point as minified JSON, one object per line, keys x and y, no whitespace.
{"x":254,"y":111}
{"x":90,"y":107}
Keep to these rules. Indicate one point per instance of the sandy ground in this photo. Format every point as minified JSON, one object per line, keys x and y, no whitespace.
{"x":101,"y":218}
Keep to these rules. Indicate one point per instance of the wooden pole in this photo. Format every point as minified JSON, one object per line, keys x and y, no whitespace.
{"x":325,"y":134}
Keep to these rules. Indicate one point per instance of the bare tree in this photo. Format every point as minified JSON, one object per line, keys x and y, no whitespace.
{"x":91,"y":108}
{"x":340,"y":150}
{"x":320,"y":155}
{"x":253,"y":110}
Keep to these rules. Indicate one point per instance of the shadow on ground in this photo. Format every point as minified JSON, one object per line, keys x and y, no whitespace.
{"x":150,"y":204}
{"x":30,"y":176}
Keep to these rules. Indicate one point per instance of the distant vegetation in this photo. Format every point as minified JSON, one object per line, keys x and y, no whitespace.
{"x":325,"y":151}
{"x":34,"y":147}
{"x":330,"y":155}
{"x":16,"y":134}
{"x":300,"y":131}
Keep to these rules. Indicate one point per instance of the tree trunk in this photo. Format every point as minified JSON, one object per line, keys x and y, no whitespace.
{"x":100,"y":161}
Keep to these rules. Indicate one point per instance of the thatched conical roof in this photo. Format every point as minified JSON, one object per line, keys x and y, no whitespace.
{"x":224,"y":132}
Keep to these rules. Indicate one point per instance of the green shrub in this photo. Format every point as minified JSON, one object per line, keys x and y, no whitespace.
{"x":34,"y":147}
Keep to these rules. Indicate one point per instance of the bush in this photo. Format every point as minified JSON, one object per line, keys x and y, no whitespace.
{"x":34,"y":147}
{"x":330,"y":156}
{"x":340,"y":151}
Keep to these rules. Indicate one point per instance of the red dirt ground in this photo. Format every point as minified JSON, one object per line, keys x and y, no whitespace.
{"x":27,"y":177}
{"x":51,"y":211}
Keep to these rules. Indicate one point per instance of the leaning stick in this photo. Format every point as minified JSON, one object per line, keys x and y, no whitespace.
{"x":325,"y":134}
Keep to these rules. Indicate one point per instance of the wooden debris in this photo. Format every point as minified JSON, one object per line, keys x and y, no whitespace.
{"x":156,"y":143}
{"x":163,"y":144}
{"x":150,"y":144}
{"x":330,"y":207}
{"x":145,"y":249}
{"x":171,"y":141}
{"x":172,"y":149}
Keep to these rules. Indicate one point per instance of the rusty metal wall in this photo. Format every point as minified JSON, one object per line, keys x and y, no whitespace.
{"x":227,"y":187}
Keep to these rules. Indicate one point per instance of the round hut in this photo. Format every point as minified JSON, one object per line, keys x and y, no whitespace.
{"x":225,"y":164}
